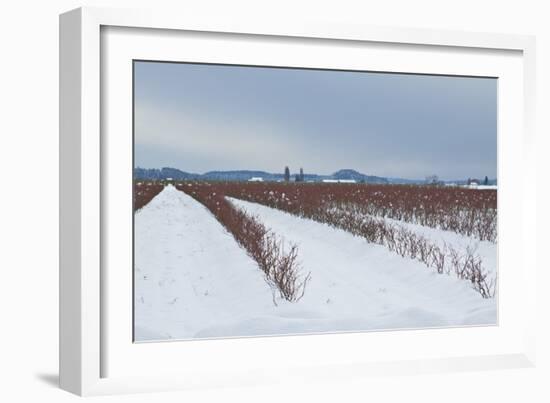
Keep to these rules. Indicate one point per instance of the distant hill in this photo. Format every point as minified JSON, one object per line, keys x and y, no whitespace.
{"x":358,"y":176}
{"x":164,"y":173}
{"x":245,"y":175}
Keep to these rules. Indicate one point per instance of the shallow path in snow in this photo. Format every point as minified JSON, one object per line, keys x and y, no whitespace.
{"x":189,"y":272}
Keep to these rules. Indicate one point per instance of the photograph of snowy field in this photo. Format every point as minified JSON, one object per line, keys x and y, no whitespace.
{"x":229,"y":241}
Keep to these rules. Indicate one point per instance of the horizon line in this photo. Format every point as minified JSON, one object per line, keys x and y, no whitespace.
{"x":318,"y":174}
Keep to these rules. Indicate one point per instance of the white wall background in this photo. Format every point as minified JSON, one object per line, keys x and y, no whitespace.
{"x":29,"y":187}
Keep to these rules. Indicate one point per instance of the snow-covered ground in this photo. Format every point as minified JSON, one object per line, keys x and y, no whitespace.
{"x":190,"y":274}
{"x":193,"y":280}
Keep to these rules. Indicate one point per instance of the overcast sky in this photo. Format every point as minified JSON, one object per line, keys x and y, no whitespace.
{"x":200,"y":118}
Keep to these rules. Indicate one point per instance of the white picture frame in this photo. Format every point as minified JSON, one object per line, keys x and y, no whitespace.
{"x":91,"y":344}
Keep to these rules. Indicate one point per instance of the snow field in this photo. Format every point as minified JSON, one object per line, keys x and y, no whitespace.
{"x":192,"y":280}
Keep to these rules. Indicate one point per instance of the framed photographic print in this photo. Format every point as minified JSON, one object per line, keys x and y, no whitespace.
{"x":244,"y":199}
{"x":230,"y":241}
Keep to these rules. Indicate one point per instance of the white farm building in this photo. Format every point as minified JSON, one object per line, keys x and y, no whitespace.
{"x":256,"y":179}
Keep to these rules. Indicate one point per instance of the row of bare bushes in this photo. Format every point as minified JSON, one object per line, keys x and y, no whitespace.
{"x":476,"y":223}
{"x":279,"y":264}
{"x":465,"y":211}
{"x":444,"y":259}
{"x":465,"y":265}
{"x":144,"y":192}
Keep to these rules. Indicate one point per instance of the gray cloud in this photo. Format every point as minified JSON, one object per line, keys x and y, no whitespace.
{"x":202,"y":117}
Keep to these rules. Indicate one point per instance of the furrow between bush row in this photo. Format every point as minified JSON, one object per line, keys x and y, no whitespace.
{"x":406,"y":243}
{"x":279,"y":264}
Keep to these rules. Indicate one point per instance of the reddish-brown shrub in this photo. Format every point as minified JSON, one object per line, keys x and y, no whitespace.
{"x":281,"y":268}
{"x":145,"y":191}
